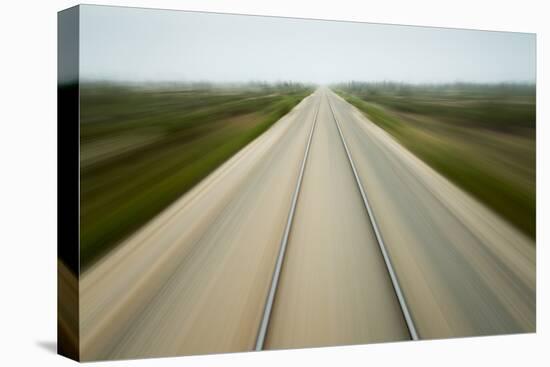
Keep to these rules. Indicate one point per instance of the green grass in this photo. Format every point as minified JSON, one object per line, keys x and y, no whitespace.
{"x":143,"y":148}
{"x":480,"y":137}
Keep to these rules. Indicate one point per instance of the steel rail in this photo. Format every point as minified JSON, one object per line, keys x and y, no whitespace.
{"x":262,"y":332}
{"x":393,"y":276}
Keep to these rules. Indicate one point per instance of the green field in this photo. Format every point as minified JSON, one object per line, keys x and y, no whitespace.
{"x":482,"y":137}
{"x":144,"y":146}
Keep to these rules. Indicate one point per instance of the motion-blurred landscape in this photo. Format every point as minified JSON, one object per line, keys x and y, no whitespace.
{"x":164,"y":189}
{"x":481,"y":136}
{"x":142,"y":146}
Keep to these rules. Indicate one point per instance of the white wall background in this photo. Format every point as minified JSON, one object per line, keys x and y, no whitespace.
{"x":28,"y":180}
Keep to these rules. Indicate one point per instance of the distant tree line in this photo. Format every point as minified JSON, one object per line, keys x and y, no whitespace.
{"x":406,"y":89}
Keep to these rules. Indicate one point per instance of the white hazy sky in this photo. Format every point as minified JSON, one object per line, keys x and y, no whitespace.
{"x":161,"y":45}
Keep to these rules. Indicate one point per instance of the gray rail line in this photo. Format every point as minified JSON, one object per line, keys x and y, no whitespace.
{"x":260,"y":339}
{"x":402,"y":302}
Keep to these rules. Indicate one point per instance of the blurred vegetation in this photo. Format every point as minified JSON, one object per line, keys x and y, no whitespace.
{"x":144,"y":146}
{"x":482,"y":137}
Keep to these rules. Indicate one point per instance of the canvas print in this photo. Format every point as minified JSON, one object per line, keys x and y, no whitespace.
{"x":233,"y":183}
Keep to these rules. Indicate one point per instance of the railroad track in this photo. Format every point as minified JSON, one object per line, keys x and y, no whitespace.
{"x":268,"y":308}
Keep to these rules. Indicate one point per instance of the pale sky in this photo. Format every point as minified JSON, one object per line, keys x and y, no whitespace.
{"x":133,"y":44}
